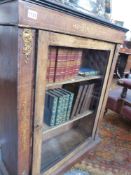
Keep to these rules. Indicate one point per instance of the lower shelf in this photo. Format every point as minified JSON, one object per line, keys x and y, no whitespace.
{"x":47,"y":128}
{"x":55,"y":149}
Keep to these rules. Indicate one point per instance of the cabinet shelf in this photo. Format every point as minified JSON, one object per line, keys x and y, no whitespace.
{"x":48,"y":129}
{"x":74,"y":80}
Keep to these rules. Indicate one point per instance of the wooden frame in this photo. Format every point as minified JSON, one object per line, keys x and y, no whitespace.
{"x":45,"y":40}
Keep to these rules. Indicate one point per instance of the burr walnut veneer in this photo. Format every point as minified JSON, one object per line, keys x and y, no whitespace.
{"x":27,"y":29}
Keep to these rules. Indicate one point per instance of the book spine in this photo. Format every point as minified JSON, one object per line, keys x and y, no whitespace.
{"x":88,"y":97}
{"x":63,"y":105}
{"x":64,"y":108}
{"x":69,"y":103}
{"x":46,"y":109}
{"x":77,"y":101}
{"x":50,"y":109}
{"x":82,"y":99}
{"x":60,"y":64}
{"x":71,"y":65}
{"x":67,"y":66}
{"x":59,"y":116}
{"x":48,"y":68}
{"x":78,"y":57}
{"x":66,"y":103}
{"x":53,"y":112}
{"x":52,"y":62}
{"x":70,"y":106}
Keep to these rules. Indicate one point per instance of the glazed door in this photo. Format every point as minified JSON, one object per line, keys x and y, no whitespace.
{"x":67,"y":68}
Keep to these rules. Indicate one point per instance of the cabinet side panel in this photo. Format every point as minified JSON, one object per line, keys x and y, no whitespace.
{"x":8,"y":97}
{"x":25,"y":98}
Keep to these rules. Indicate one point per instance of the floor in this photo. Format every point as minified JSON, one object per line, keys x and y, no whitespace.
{"x":113,"y":155}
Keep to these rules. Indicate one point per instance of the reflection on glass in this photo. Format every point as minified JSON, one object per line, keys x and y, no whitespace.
{"x":100,"y":8}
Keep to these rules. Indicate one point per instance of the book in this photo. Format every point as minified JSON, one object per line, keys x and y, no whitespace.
{"x":47,"y":71}
{"x":78,"y":57}
{"x":59,"y":112}
{"x":52,"y":64}
{"x":77,"y":101}
{"x":71,"y":63}
{"x":60,"y":64}
{"x":81,"y":99}
{"x":68,"y":64}
{"x":88,"y":72}
{"x":70,"y":102}
{"x":66,"y":104}
{"x":51,"y":102}
{"x":88,"y":98}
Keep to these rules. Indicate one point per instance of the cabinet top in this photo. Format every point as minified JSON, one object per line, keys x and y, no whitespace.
{"x":42,"y":14}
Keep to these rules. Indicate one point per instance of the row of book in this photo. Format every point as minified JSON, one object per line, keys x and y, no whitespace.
{"x":63,"y":63}
{"x":82,"y":97}
{"x":58,"y":105}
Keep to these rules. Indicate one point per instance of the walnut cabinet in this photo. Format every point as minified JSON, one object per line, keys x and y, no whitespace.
{"x":27,"y":31}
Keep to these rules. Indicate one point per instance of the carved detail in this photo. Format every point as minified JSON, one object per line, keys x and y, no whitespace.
{"x":27,"y":41}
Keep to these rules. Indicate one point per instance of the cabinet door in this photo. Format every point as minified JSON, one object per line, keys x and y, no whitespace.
{"x":80,"y":71}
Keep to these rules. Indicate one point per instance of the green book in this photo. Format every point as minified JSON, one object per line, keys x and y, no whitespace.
{"x":59,"y":113}
{"x":67,"y":97}
{"x":69,"y":104}
{"x":50,"y":109}
{"x":63,"y":105}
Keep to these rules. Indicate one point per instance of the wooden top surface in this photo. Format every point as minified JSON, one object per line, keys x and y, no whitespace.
{"x":26,"y":14}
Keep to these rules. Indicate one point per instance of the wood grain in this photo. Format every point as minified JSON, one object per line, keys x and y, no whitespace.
{"x":77,"y":42}
{"x":66,"y":23}
{"x":25,"y":98}
{"x":8,"y":97}
{"x":39,"y":99}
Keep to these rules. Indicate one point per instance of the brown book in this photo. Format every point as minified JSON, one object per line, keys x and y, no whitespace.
{"x":84,"y":100}
{"x":88,"y":98}
{"x":47,"y":73}
{"x":81,"y":99}
{"x":52,"y":62}
{"x":77,"y":101}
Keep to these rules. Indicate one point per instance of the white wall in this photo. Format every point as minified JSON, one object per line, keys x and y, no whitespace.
{"x":121,"y":10}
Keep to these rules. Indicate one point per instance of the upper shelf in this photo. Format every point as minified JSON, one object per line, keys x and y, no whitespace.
{"x":74,"y":80}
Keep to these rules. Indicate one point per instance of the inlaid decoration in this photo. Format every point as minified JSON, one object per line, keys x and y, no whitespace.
{"x":27,"y":41}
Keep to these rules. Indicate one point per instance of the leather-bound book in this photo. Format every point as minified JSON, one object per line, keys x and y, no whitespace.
{"x":52,"y":62}
{"x":51,"y":103}
{"x":88,"y":98}
{"x":77,"y":100}
{"x":83,"y":94}
{"x":77,"y":58}
{"x":60,"y":64}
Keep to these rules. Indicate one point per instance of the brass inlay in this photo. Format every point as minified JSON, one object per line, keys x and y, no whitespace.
{"x":27,"y":41}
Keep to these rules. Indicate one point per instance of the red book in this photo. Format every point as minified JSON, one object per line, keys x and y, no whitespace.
{"x":47,"y":73}
{"x":61,"y":64}
{"x":78,"y":57}
{"x":70,"y":63}
{"x":52,"y":62}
